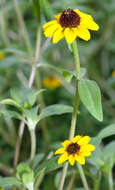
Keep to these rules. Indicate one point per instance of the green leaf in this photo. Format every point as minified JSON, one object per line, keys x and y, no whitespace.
{"x":10,"y":61}
{"x":8,"y":181}
{"x":23,"y":168}
{"x":31,"y":113}
{"x":48,"y":165}
{"x":11,"y":102}
{"x":90,"y":96}
{"x":11,"y":114}
{"x":25,"y":97}
{"x":28,"y":180}
{"x":15,"y":51}
{"x":67,"y":75}
{"x":22,"y":95}
{"x":106,"y":132}
{"x":26,"y":175}
{"x":32,"y":97}
{"x":64,"y":72}
{"x":56,"y":109}
{"x":109,"y":152}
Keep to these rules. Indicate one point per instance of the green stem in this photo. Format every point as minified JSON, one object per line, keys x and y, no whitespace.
{"x":63,"y":175}
{"x":73,"y":121}
{"x":33,"y":147}
{"x":77,"y":61}
{"x":82,"y":176}
{"x":97,"y":181}
{"x":75,"y":112}
{"x":110,"y":179}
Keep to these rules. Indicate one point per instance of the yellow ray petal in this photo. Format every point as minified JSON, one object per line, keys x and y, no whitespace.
{"x":58,"y":16}
{"x":83,"y":33}
{"x":63,"y":158}
{"x":87,"y":20}
{"x":84,"y":153}
{"x":49,"y":24}
{"x":70,"y":34}
{"x":60,"y":151}
{"x":84,"y":140}
{"x":58,"y":35}
{"x":76,"y":138}
{"x":80,"y":159}
{"x":66,"y":143}
{"x":49,"y":31}
{"x":71,"y":160}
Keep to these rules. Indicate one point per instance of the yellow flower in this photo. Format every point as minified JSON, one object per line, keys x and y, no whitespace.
{"x":2,"y":55}
{"x":70,"y":24}
{"x":51,"y":82}
{"x":75,"y":150}
{"x":113,"y":73}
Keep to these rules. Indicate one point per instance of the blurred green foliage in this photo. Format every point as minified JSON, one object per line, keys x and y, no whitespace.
{"x":96,"y":55}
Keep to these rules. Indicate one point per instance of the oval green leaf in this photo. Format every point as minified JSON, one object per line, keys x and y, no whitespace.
{"x":56,"y":109}
{"x":90,"y":96}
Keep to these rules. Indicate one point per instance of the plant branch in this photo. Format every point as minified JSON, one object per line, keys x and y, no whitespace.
{"x":83,"y":176}
{"x":33,"y":147}
{"x":74,"y":114}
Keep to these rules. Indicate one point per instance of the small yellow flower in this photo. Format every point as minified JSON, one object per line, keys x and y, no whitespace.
{"x":113,"y":73}
{"x":70,"y":24}
{"x":75,"y":150}
{"x":51,"y":82}
{"x":2,"y":55}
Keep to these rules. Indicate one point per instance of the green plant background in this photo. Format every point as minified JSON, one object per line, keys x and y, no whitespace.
{"x":96,"y":55}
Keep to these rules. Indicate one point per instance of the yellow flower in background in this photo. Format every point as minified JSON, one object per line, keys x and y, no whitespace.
{"x":70,"y":24}
{"x":113,"y":73}
{"x":51,"y":82}
{"x":2,"y":55}
{"x":75,"y":150}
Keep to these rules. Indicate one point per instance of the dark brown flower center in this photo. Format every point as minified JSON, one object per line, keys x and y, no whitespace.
{"x":69,"y":18}
{"x":73,"y":148}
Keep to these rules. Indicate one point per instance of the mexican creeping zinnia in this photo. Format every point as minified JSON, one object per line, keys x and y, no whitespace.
{"x":75,"y":150}
{"x":70,"y":24}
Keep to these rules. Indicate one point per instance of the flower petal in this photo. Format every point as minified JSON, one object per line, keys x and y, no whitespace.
{"x":84,"y":140}
{"x":49,"y":31}
{"x":86,"y":149}
{"x":58,"y":16}
{"x":70,"y":34}
{"x":49,"y":24}
{"x":76,"y":138}
{"x":66,"y":143}
{"x":83,"y":33}
{"x":71,"y":160}
{"x":63,"y":158}
{"x":87,"y":20}
{"x":58,"y":35}
{"x":60,"y":151}
{"x":80,"y":159}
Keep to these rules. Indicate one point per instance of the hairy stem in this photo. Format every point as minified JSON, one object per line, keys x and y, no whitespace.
{"x":83,"y":178}
{"x":74,"y":120}
{"x":33,"y":147}
{"x":74,"y":114}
